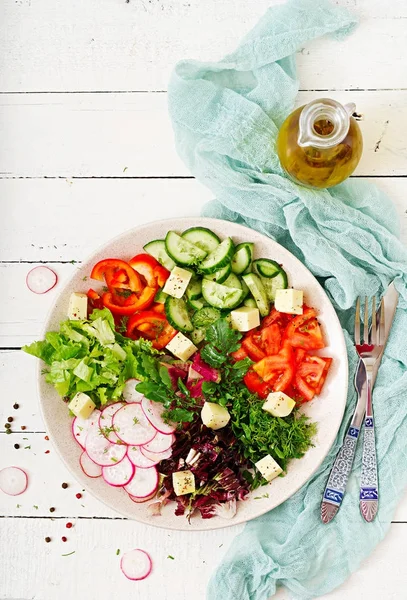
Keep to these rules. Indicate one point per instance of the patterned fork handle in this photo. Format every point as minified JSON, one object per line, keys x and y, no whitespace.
{"x":369,"y":494}
{"x":339,"y":475}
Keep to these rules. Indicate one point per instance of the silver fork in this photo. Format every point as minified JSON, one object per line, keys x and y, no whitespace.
{"x":369,"y":351}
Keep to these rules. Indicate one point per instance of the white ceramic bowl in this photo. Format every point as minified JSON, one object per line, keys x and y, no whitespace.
{"x":326,"y":410}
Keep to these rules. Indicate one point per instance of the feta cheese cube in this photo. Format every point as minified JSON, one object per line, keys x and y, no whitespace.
{"x":78,"y":307}
{"x":181,"y":347}
{"x":177,"y":282}
{"x":268,"y":467}
{"x":245,"y":318}
{"x":278,"y":404}
{"x":214,"y":415}
{"x":289,"y":301}
{"x":183,"y":482}
{"x":81,"y":405}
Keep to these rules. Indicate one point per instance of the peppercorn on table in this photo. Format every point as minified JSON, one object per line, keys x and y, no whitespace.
{"x":87,"y":151}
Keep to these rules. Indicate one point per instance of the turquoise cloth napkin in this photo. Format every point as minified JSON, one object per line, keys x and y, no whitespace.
{"x":226,"y":117}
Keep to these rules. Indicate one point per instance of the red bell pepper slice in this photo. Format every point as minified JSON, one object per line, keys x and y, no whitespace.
{"x":121,"y":305}
{"x":151,"y":325}
{"x":117,"y":274}
{"x":147,"y":266}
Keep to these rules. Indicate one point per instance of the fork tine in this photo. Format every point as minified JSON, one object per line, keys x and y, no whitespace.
{"x":382,"y":324}
{"x":373,"y":332}
{"x":366,"y":323}
{"x":357,"y":322}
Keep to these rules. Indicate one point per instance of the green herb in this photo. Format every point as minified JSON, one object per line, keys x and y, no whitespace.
{"x":117,"y":551}
{"x":73,"y":262}
{"x":85,"y":278}
{"x":259,"y":433}
{"x":18,"y":506}
{"x":35,"y":506}
{"x":135,"y":420}
{"x":27,"y":447}
{"x":222,"y":340}
{"x":171,"y":557}
{"x":125,"y":169}
{"x":114,"y":459}
{"x":260,"y":497}
{"x":69,"y":554}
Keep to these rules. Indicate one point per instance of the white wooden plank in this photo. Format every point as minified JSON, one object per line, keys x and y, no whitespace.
{"x":38,"y":570}
{"x":133,"y":46}
{"x":63,"y":220}
{"x":130,"y":135}
{"x":68,"y":219}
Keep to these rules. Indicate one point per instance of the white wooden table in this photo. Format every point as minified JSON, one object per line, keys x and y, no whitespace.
{"x":86,"y":151}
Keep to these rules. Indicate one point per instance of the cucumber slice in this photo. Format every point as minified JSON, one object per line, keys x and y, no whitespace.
{"x":160,"y":297}
{"x":242,"y":258}
{"x":202,"y":237}
{"x":259,"y":293}
{"x":245,"y":288}
{"x":220,"y":257}
{"x":271,"y":285}
{"x":205,"y":317}
{"x":221,"y":296}
{"x":197,"y":336}
{"x":221,"y":275}
{"x":233,"y":281}
{"x":157,"y":249}
{"x":194,"y":289}
{"x":182,"y":251}
{"x":266,"y":267}
{"x":196,"y":304}
{"x":177,"y":314}
{"x":250,"y":302}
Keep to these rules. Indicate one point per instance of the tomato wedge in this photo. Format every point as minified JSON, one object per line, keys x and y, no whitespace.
{"x":304,"y":331}
{"x":255,"y":384}
{"x":117,"y":274}
{"x":311,"y":374}
{"x":151,"y":325}
{"x":270,"y":339}
{"x":277,"y":370}
{"x":239,"y":354}
{"x":253,"y":350}
{"x":147,"y":266}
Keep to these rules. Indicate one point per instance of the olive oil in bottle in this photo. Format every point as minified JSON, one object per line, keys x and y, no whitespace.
{"x":320,"y":144}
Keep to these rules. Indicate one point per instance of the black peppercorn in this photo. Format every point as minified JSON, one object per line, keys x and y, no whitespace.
{"x":16,"y":406}
{"x":64,"y":485}
{"x":16,"y":446}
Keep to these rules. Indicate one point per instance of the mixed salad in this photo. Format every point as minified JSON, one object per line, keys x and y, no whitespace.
{"x":184,"y":372}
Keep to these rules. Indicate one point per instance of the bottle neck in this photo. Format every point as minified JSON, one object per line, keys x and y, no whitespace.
{"x":324,"y":123}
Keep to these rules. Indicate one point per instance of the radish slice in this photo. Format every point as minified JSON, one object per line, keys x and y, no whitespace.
{"x":90,"y":468}
{"x":138,"y":459}
{"x":41,"y":279}
{"x":132,"y":426}
{"x":141,"y":500}
{"x":144,"y":483}
{"x":130,"y":394}
{"x":156,"y":456}
{"x":120,"y":474}
{"x":160,"y":443}
{"x":106,"y":422}
{"x":136,"y":565}
{"x":13,"y":481}
{"x":80,"y":427}
{"x":153,"y":412}
{"x":100,"y":450}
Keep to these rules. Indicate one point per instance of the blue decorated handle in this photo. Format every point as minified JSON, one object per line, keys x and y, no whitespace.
{"x":339,"y":475}
{"x":369,"y":493}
